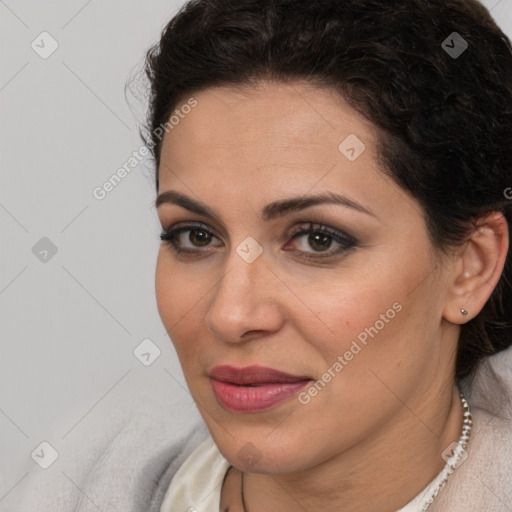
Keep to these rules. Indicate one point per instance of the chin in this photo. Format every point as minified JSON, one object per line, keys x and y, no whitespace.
{"x":252,"y":449}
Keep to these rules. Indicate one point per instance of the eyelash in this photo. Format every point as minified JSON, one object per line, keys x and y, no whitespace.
{"x":347,"y":242}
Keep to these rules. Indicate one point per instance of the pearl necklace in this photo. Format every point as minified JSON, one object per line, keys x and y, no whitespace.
{"x":451,"y":464}
{"x":458,"y":453}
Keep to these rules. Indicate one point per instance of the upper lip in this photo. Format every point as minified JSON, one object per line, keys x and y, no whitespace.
{"x":253,"y":375}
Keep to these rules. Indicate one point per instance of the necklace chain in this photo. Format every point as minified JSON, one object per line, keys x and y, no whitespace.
{"x":451,"y":464}
{"x":458,"y":454}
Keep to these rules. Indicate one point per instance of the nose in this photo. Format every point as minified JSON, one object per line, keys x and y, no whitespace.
{"x":245,"y":303}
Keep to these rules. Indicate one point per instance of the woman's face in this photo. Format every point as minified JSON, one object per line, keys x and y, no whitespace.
{"x":358,"y":310}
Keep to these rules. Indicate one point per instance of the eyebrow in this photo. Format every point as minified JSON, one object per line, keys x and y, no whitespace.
{"x":270,"y":211}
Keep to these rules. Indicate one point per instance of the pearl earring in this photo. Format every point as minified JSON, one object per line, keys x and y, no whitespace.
{"x":464,"y":312}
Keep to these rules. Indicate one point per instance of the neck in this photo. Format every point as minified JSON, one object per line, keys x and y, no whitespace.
{"x":404,"y":455}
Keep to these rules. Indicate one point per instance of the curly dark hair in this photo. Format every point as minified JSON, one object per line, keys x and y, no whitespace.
{"x":443,"y":119}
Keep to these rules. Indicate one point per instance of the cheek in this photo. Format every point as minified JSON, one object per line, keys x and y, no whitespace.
{"x":361,"y":340}
{"x":174,"y":301}
{"x":352,"y":311}
{"x":165,"y":291}
{"x":176,"y":289}
{"x":181,"y":301}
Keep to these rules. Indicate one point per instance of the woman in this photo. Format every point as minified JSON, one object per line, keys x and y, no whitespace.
{"x":332,"y":185}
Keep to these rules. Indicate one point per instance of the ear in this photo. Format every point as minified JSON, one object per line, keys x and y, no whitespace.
{"x":478,"y":268}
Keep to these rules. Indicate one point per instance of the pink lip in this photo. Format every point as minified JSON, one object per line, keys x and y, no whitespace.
{"x":253,"y":388}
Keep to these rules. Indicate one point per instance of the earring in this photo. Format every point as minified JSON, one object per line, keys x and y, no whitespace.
{"x":464,"y":312}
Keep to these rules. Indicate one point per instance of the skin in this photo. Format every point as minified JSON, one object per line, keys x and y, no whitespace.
{"x":383,"y":421}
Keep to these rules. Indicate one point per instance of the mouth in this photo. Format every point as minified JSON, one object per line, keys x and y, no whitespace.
{"x":254,"y":388}
{"x":253,"y":375}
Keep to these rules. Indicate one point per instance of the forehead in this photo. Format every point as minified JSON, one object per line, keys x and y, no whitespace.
{"x":271,"y":126}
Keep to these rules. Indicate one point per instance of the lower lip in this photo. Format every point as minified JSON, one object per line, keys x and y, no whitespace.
{"x":254,"y":398}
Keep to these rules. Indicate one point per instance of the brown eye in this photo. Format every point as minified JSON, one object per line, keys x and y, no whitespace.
{"x":316,"y":240}
{"x":199,"y":237}
{"x":319,"y":242}
{"x":188,"y":238}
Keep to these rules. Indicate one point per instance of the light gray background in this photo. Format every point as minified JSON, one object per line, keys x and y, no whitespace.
{"x":69,"y":325}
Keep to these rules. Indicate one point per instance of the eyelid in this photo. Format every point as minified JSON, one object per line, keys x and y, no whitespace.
{"x":189,"y":226}
{"x":321,"y":227}
{"x":298,"y":225}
